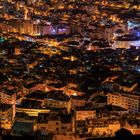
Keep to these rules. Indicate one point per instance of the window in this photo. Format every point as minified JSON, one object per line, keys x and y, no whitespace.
{"x":63,"y":127}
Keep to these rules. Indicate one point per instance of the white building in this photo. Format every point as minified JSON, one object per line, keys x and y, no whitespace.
{"x":129,"y":102}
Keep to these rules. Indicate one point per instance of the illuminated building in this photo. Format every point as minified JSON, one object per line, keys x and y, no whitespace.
{"x":54,"y":126}
{"x":58,"y":103}
{"x":6,"y":116}
{"x":85,"y":114}
{"x":49,"y":29}
{"x":8,"y":98}
{"x":106,"y":128}
{"x":27,"y":27}
{"x":126,"y":87}
{"x":129,"y":102}
{"x":31,"y":111}
{"x":6,"y":27}
{"x":76,"y":101}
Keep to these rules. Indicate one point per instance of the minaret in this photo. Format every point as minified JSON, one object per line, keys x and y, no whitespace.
{"x":25,"y":14}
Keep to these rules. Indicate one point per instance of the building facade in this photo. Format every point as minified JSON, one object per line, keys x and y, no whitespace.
{"x":129,"y":102}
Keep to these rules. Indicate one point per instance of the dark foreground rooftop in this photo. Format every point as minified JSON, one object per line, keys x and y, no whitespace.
{"x":7,"y":137}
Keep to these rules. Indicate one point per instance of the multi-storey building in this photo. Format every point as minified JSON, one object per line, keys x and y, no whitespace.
{"x":8,"y":98}
{"x":6,"y":116}
{"x":102,"y":127}
{"x":129,"y":102}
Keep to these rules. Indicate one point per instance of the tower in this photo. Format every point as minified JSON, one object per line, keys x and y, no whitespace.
{"x":25,"y":14}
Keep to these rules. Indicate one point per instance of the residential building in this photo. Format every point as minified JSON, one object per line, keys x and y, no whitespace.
{"x":6,"y":116}
{"x":129,"y":102}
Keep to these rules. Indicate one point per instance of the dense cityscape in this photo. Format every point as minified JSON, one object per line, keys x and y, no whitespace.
{"x":69,"y":69}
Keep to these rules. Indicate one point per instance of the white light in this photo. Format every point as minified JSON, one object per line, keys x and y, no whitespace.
{"x":38,"y":21}
{"x":135,"y":43}
{"x":53,"y":30}
{"x":48,"y":23}
{"x":74,"y":94}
